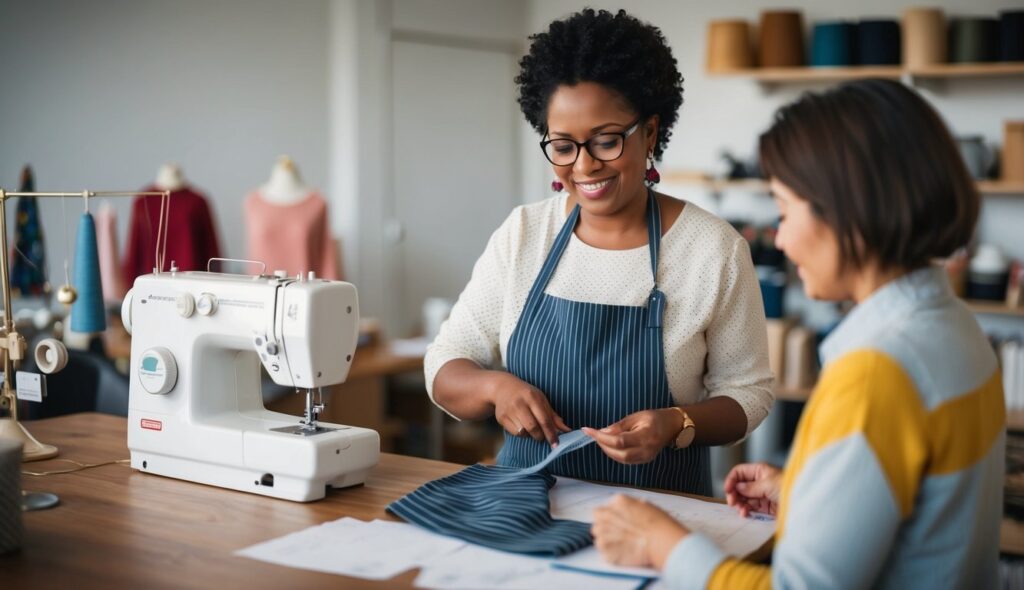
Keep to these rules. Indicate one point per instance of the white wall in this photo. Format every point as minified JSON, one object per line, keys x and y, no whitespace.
{"x":98,"y":94}
{"x":730,"y":113}
{"x":110,"y":89}
{"x":361,"y":132}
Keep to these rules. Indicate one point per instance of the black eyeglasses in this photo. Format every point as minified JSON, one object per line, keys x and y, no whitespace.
{"x":603,"y":146}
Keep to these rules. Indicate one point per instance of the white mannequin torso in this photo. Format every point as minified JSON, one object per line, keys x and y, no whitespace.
{"x":169,"y":178}
{"x":284,"y":186}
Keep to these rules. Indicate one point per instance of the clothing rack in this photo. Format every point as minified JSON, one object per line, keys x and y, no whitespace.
{"x":12,"y":344}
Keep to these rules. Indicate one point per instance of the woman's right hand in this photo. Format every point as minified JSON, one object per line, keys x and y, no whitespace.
{"x":754,"y":487}
{"x":523,"y":410}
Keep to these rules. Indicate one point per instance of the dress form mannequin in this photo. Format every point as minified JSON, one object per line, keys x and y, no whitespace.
{"x":284,"y":187}
{"x":288,"y":226}
{"x":192,"y":233}
{"x":169,"y":178}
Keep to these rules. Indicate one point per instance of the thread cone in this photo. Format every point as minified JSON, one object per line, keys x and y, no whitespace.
{"x":87,"y":313}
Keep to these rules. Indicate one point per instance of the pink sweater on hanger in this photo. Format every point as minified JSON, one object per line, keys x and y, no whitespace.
{"x":110,"y":261}
{"x":293,"y":237}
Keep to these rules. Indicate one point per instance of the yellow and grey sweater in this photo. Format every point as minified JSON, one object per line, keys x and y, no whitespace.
{"x":895,"y":478}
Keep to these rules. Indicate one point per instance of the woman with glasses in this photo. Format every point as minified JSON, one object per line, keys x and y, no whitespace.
{"x":609,"y":306}
{"x":895,"y":478}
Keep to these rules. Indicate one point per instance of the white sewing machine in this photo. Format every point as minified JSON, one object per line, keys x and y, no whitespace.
{"x":196,"y":409}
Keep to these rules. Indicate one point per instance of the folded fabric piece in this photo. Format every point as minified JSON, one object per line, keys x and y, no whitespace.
{"x":499,"y":507}
{"x":567,"y":443}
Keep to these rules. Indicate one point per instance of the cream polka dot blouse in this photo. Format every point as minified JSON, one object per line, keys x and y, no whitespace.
{"x":714,"y":327}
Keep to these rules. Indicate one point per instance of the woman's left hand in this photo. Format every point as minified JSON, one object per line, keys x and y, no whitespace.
{"x":631,"y":532}
{"x":639,"y":437}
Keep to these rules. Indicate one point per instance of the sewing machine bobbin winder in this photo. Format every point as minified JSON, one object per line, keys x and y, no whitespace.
{"x":195,"y":404}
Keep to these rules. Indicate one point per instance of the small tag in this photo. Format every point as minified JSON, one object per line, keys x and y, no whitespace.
{"x":30,"y":386}
{"x":655,"y":308}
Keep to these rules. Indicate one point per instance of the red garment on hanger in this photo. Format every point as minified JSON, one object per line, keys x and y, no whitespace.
{"x":293,"y":237}
{"x":191,"y":233}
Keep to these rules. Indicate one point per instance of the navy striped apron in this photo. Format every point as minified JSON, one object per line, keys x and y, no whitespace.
{"x":597,"y":364}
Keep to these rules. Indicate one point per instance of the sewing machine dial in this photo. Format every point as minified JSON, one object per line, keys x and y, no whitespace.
{"x":157,"y":371}
{"x":207,"y":304}
{"x":186,"y":305}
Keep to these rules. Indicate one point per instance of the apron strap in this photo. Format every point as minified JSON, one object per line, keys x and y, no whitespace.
{"x":653,"y":233}
{"x":656,"y":301}
{"x":551,"y":262}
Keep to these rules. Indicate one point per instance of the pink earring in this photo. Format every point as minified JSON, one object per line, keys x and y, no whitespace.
{"x":557,"y":186}
{"x":652,"y":176}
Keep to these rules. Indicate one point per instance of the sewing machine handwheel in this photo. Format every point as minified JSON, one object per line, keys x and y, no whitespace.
{"x":126,"y":311}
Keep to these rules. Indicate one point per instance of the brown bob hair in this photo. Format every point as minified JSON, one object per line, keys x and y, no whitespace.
{"x":879,"y":167}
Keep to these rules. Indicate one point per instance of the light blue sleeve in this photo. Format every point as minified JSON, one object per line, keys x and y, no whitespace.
{"x":691,"y":563}
{"x":841,"y":524}
{"x":841,"y":521}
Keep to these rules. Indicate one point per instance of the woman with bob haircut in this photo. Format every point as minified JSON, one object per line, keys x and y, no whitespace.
{"x":895,"y":477}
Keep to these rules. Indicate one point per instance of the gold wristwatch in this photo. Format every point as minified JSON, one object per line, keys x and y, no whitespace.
{"x":686,"y":433}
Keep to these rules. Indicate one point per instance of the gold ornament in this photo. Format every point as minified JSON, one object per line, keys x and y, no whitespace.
{"x":67,"y":294}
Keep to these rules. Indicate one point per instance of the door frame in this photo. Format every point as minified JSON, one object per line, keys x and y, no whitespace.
{"x":391,"y":228}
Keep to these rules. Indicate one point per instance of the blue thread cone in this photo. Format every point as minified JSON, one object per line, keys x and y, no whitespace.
{"x":833,"y":44}
{"x":87,"y":313}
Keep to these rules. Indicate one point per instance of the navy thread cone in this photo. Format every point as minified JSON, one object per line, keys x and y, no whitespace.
{"x":973,"y":39}
{"x":87,"y":313}
{"x":878,"y":42}
{"x":1011,"y":35}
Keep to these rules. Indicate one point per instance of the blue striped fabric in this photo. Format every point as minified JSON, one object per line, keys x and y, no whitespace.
{"x":597,"y":364}
{"x":497,"y":507}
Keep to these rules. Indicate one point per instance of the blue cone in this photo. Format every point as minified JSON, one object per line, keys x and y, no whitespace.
{"x":87,"y":313}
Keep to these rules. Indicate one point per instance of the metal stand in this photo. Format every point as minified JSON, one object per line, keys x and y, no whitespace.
{"x":12,"y":344}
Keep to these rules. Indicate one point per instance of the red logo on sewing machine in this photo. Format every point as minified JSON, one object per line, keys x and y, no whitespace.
{"x":152,"y":424}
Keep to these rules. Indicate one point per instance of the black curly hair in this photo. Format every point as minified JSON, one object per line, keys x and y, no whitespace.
{"x":617,"y":51}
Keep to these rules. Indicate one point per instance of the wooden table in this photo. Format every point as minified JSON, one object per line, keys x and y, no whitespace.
{"x":119,"y":528}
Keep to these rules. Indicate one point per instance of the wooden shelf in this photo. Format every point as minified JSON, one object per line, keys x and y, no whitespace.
{"x":1011,"y":536}
{"x":808,"y":74}
{"x":975,"y":70}
{"x":1015,"y":419}
{"x":718,"y":184}
{"x":792,"y":394}
{"x":994,"y":307}
{"x":997,"y":187}
{"x":985,"y":187}
{"x":814,"y":74}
